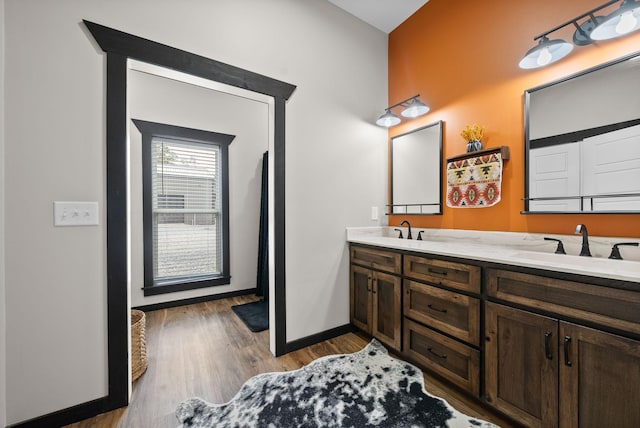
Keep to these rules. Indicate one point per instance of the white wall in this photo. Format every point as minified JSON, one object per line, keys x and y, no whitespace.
{"x":162,"y":100}
{"x":3,"y":355}
{"x":54,"y":138}
{"x":336,"y":158}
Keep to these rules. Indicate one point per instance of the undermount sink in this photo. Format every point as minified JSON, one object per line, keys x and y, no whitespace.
{"x":570,"y":260}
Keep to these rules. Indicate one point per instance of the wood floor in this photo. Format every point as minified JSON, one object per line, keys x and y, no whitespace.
{"x":204,"y":350}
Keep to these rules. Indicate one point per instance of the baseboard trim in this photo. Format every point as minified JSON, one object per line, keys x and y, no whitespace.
{"x":71,"y":414}
{"x":105,"y":404}
{"x":319,"y":337}
{"x":183,"y":302}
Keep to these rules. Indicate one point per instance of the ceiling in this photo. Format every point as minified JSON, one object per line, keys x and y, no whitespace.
{"x":385,"y":15}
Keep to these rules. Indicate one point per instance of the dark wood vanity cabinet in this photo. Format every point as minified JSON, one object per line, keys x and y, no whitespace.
{"x":599,"y":378}
{"x":375,"y":294}
{"x":554,"y":352}
{"x":545,"y":371}
{"x":442,"y":325}
{"x":521,"y":365}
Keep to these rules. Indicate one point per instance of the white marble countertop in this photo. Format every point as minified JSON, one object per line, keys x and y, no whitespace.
{"x":511,"y":248}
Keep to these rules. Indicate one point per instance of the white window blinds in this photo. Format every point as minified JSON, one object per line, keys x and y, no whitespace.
{"x":187,"y":235}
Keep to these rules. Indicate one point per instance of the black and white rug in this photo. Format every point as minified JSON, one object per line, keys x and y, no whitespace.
{"x":368,"y":388}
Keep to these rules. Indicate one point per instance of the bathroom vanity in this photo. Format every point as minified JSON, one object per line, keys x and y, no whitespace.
{"x":547,"y":339}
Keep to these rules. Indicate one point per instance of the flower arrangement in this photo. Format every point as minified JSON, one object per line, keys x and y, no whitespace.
{"x":472,"y":133}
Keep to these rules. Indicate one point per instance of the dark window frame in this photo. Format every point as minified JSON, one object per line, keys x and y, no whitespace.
{"x":149,"y":131}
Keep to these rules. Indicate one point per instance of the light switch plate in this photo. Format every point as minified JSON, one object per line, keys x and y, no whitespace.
{"x":374,"y":213}
{"x":75,"y":213}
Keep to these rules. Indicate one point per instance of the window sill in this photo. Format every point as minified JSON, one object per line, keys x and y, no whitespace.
{"x":184,"y":284}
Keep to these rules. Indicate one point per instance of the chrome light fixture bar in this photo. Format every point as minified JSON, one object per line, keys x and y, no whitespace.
{"x":619,"y":23}
{"x":413,"y":108}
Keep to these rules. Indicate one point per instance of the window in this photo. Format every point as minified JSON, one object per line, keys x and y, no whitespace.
{"x":185,"y":208}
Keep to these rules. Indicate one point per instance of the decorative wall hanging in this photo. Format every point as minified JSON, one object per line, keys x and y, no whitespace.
{"x":475,"y":181}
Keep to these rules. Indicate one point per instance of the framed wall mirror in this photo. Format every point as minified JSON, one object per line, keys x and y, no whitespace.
{"x":582,"y":141}
{"x":416,"y":171}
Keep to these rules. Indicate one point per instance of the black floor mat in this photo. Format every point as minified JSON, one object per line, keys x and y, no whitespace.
{"x":255,"y":315}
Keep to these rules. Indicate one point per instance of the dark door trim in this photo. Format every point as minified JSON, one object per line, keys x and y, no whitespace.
{"x":119,"y":47}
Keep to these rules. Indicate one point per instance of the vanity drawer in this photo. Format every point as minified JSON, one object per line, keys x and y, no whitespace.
{"x":376,"y":259}
{"x":449,"y":312}
{"x":449,"y":358}
{"x":606,"y":306}
{"x":455,"y":275}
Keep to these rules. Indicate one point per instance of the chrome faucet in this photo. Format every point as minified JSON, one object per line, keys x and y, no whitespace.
{"x":581,"y":228}
{"x":409,"y":227}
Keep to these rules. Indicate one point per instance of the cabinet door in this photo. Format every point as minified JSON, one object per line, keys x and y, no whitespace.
{"x":387,"y":310}
{"x":599,"y":379}
{"x":360,"y":302}
{"x":521,"y":365}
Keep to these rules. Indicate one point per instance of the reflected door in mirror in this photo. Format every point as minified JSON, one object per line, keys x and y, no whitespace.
{"x":582,"y":137}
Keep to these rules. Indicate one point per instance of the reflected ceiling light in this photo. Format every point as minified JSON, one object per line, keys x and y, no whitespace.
{"x":623,"y":21}
{"x":413,"y":108}
{"x":619,"y":23}
{"x":547,"y":52}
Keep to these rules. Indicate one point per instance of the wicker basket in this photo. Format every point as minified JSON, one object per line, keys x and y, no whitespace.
{"x":138,"y":344}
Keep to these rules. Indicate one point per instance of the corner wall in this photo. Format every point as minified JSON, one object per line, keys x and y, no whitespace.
{"x":462,"y":57}
{"x":55,"y":138}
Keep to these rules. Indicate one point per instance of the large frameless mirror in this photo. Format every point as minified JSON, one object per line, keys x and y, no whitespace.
{"x":582,"y":142}
{"x":416,"y":171}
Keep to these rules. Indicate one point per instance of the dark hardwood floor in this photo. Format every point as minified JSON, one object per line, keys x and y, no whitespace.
{"x":204,"y":350}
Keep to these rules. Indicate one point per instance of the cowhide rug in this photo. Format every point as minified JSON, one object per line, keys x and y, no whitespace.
{"x":368,"y":388}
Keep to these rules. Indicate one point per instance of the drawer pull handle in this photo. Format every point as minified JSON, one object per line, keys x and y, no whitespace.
{"x":430,"y":306}
{"x":375,"y":283}
{"x":431,"y":351}
{"x":547,"y":345}
{"x":437,"y":271}
{"x":567,"y":342}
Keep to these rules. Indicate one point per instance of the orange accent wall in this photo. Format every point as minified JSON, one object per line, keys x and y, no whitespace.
{"x":462,"y":57}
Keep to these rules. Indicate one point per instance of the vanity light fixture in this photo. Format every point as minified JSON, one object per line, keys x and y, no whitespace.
{"x":619,"y":23}
{"x":413,"y":108}
{"x":547,"y":52}
{"x":388,"y":119}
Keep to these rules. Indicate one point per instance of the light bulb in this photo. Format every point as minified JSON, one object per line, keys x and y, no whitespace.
{"x":544,"y":57}
{"x":627,"y":23}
